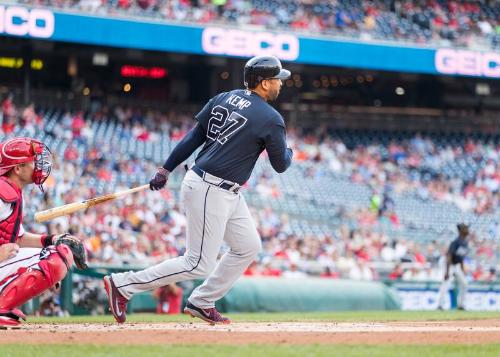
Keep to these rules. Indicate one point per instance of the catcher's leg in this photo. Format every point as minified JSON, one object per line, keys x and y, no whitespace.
{"x":29,"y":282}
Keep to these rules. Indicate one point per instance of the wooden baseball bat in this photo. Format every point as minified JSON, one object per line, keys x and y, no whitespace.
{"x":52,"y":213}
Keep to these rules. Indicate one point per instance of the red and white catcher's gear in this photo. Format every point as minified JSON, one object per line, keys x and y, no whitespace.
{"x":9,"y":227}
{"x":16,"y":151}
{"x":29,"y":282}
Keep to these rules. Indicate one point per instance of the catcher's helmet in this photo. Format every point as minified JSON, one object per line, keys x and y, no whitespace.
{"x":263,"y":67}
{"x":19,"y":150}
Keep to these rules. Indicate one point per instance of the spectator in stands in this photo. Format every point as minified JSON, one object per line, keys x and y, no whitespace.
{"x":396,"y":273}
{"x":328,"y":273}
{"x":437,"y":22}
{"x":169,"y":299}
{"x":293,"y":272}
{"x":252,"y":269}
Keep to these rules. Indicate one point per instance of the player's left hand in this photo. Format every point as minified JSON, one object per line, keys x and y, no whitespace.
{"x":76,"y":247}
{"x":159,"y":179}
{"x":8,"y":250}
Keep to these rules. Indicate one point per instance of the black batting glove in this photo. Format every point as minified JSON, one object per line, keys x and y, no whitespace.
{"x":159,"y":179}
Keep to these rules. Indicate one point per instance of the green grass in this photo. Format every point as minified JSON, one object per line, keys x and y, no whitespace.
{"x":264,"y":350}
{"x":340,"y":316}
{"x":248,"y":350}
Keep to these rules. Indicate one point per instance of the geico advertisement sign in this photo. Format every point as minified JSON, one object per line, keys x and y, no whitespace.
{"x":223,"y":41}
{"x":468,"y":63}
{"x":428,"y":300}
{"x":20,"y":21}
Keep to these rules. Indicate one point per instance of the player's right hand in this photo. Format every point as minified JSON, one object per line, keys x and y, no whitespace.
{"x":159,"y":179}
{"x":8,"y":250}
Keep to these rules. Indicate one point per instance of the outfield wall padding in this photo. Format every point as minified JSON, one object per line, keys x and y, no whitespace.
{"x":253,"y":294}
{"x":307,"y":294}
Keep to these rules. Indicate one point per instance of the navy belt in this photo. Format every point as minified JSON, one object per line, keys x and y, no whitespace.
{"x":223,"y":184}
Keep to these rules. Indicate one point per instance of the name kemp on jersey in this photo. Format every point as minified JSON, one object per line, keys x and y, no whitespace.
{"x":237,"y":101}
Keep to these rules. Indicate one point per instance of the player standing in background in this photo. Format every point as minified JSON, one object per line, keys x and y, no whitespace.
{"x":235,"y":127}
{"x":455,"y":267}
{"x":29,"y":263}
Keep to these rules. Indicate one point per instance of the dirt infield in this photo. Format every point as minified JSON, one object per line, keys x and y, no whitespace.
{"x":435,"y":332}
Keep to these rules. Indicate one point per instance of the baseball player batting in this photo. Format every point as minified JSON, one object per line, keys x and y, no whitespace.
{"x":235,"y":127}
{"x":29,"y":263}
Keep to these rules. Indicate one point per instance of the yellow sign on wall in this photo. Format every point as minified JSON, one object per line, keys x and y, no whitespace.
{"x":11,"y":62}
{"x":36,"y":64}
{"x":16,"y":63}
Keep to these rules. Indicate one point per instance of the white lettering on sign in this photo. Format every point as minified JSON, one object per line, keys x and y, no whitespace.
{"x":221,"y":41}
{"x":20,"y":21}
{"x":469,"y":63}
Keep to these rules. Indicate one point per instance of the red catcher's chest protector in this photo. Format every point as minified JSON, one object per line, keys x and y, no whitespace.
{"x":9,"y":227}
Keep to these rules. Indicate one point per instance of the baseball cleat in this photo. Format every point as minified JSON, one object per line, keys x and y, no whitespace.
{"x":11,"y":318}
{"x":6,"y":322}
{"x":117,"y":302}
{"x":210,"y":315}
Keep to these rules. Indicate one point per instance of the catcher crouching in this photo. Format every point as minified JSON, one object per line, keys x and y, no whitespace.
{"x":29,"y":263}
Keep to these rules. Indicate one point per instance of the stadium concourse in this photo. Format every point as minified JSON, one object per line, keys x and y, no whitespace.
{"x":438,"y":22}
{"x":357,"y":205}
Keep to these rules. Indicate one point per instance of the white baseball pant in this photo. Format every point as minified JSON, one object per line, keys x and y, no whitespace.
{"x":25,"y":258}
{"x":213,"y":215}
{"x":457,"y":272}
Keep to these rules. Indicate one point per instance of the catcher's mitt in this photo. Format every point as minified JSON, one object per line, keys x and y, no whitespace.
{"x":76,"y":247}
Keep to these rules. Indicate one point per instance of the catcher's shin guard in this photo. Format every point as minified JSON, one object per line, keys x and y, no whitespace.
{"x":28,"y":283}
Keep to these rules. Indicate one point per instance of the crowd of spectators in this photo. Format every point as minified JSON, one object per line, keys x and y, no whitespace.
{"x":460,"y":23}
{"x":466,"y":175}
{"x":149,"y":227}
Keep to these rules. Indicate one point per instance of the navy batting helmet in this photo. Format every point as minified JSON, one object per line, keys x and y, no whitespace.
{"x":263,"y":67}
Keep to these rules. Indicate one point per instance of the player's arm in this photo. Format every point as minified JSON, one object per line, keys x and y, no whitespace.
{"x":279,"y":154}
{"x":189,"y":143}
{"x":30,"y":240}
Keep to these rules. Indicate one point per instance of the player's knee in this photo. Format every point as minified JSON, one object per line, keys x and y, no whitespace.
{"x":57,"y":264}
{"x":255,"y":248}
{"x":30,"y":282}
{"x":200,"y":271}
{"x":205,"y":267}
{"x":198,"y":266}
{"x":252,"y":248}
